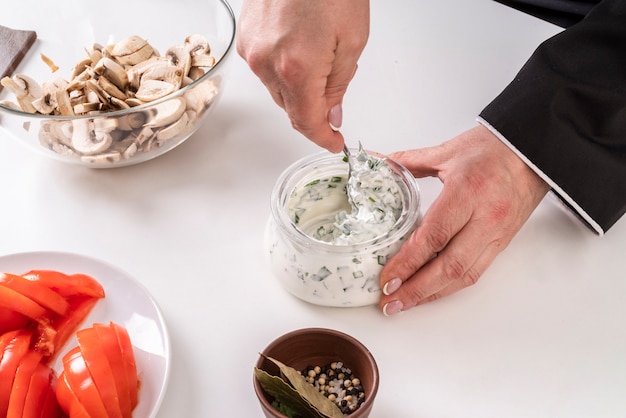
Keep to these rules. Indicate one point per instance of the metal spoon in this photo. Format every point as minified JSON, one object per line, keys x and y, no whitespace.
{"x":346,"y":151}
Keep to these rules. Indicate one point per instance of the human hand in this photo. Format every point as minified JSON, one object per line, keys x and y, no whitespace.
{"x":306,"y":53}
{"x":488,"y":193}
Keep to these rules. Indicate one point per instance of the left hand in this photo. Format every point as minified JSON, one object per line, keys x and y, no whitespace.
{"x":488,"y":194}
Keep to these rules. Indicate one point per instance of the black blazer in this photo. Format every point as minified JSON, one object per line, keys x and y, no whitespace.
{"x":560,"y":12}
{"x":565,"y":113}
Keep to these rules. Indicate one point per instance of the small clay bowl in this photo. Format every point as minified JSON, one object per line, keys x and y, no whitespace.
{"x":319,"y":346}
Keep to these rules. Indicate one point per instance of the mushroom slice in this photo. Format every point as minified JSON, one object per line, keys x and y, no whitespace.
{"x":133,"y":101}
{"x":180,"y":58}
{"x":173,"y":130}
{"x":202,"y":61}
{"x":195,"y":73}
{"x":45,"y":104}
{"x":10,"y":105}
{"x":200,"y":96}
{"x":145,"y":135}
{"x":166,"y":113}
{"x":150,"y":90}
{"x":25,"y":89}
{"x":197,"y":44}
{"x":64,"y":106}
{"x":86,"y":140}
{"x":164,"y":71}
{"x":131,"y":121}
{"x":84,"y":108}
{"x":132,"y":50}
{"x":113,"y":71}
{"x":80,"y":67}
{"x":111,"y":89}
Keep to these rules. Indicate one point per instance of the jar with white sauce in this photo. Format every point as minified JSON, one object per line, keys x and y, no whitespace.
{"x":321,"y":249}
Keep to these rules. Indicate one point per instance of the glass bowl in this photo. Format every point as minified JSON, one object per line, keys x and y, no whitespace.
{"x":160,"y":107}
{"x":322,"y":273}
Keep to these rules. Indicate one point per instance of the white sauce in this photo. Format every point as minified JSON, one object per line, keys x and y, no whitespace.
{"x":321,"y":208}
{"x":348,"y":248}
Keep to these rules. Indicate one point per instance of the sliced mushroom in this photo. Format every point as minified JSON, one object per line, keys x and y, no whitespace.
{"x":166,"y":113}
{"x":132,"y":50}
{"x":86,"y":140}
{"x":111,"y":89}
{"x":179,"y":57}
{"x":25,"y":89}
{"x":151,"y":90}
{"x":173,"y":130}
{"x":163,"y":71}
{"x":197,"y":44}
{"x":205,"y":61}
{"x":113,"y":71}
{"x":198,"y":98}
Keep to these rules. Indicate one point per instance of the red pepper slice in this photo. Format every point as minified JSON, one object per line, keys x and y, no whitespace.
{"x":36,"y":291}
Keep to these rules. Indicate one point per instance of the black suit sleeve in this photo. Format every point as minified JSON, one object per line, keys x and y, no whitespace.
{"x":565,"y":113}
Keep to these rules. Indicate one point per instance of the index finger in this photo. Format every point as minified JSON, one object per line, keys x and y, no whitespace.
{"x":442,"y":221}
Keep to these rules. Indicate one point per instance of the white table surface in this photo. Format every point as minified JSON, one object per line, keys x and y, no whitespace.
{"x":541,"y":334}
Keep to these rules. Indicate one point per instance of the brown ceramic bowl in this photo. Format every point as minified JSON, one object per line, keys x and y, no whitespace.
{"x":319,"y":346}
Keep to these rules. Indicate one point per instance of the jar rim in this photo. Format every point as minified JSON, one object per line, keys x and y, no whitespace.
{"x":295,"y":172}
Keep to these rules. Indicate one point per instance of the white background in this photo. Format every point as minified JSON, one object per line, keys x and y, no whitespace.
{"x":541,"y":335}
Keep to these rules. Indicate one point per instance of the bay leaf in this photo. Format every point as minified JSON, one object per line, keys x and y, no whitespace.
{"x":284,"y":393}
{"x":327,"y":407}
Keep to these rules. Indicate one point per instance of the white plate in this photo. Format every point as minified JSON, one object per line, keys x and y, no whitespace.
{"x":128,"y":303}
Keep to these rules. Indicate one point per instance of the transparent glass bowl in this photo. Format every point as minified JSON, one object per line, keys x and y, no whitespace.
{"x":328,"y":274}
{"x":66,"y":28}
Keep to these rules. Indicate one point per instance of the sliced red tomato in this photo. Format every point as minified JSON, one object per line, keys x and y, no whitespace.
{"x":67,"y":285}
{"x":6,"y":338}
{"x":21,"y":383}
{"x":36,"y":291}
{"x":111,"y":348}
{"x":68,"y":401}
{"x":15,"y":301}
{"x":54,"y":335}
{"x":11,"y":320}
{"x":41,"y":383}
{"x":99,"y":369}
{"x":50,"y":407}
{"x":81,"y":384}
{"x":126,"y":346}
{"x":14,"y":351}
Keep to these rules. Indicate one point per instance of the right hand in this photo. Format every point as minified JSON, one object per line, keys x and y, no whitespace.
{"x":306,"y":53}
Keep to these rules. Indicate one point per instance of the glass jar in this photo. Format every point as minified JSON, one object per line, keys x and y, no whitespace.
{"x":322,"y":273}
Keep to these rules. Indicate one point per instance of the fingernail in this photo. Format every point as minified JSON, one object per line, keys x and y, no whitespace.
{"x":391,"y":286}
{"x":392,"y":308}
{"x":335,"y":117}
